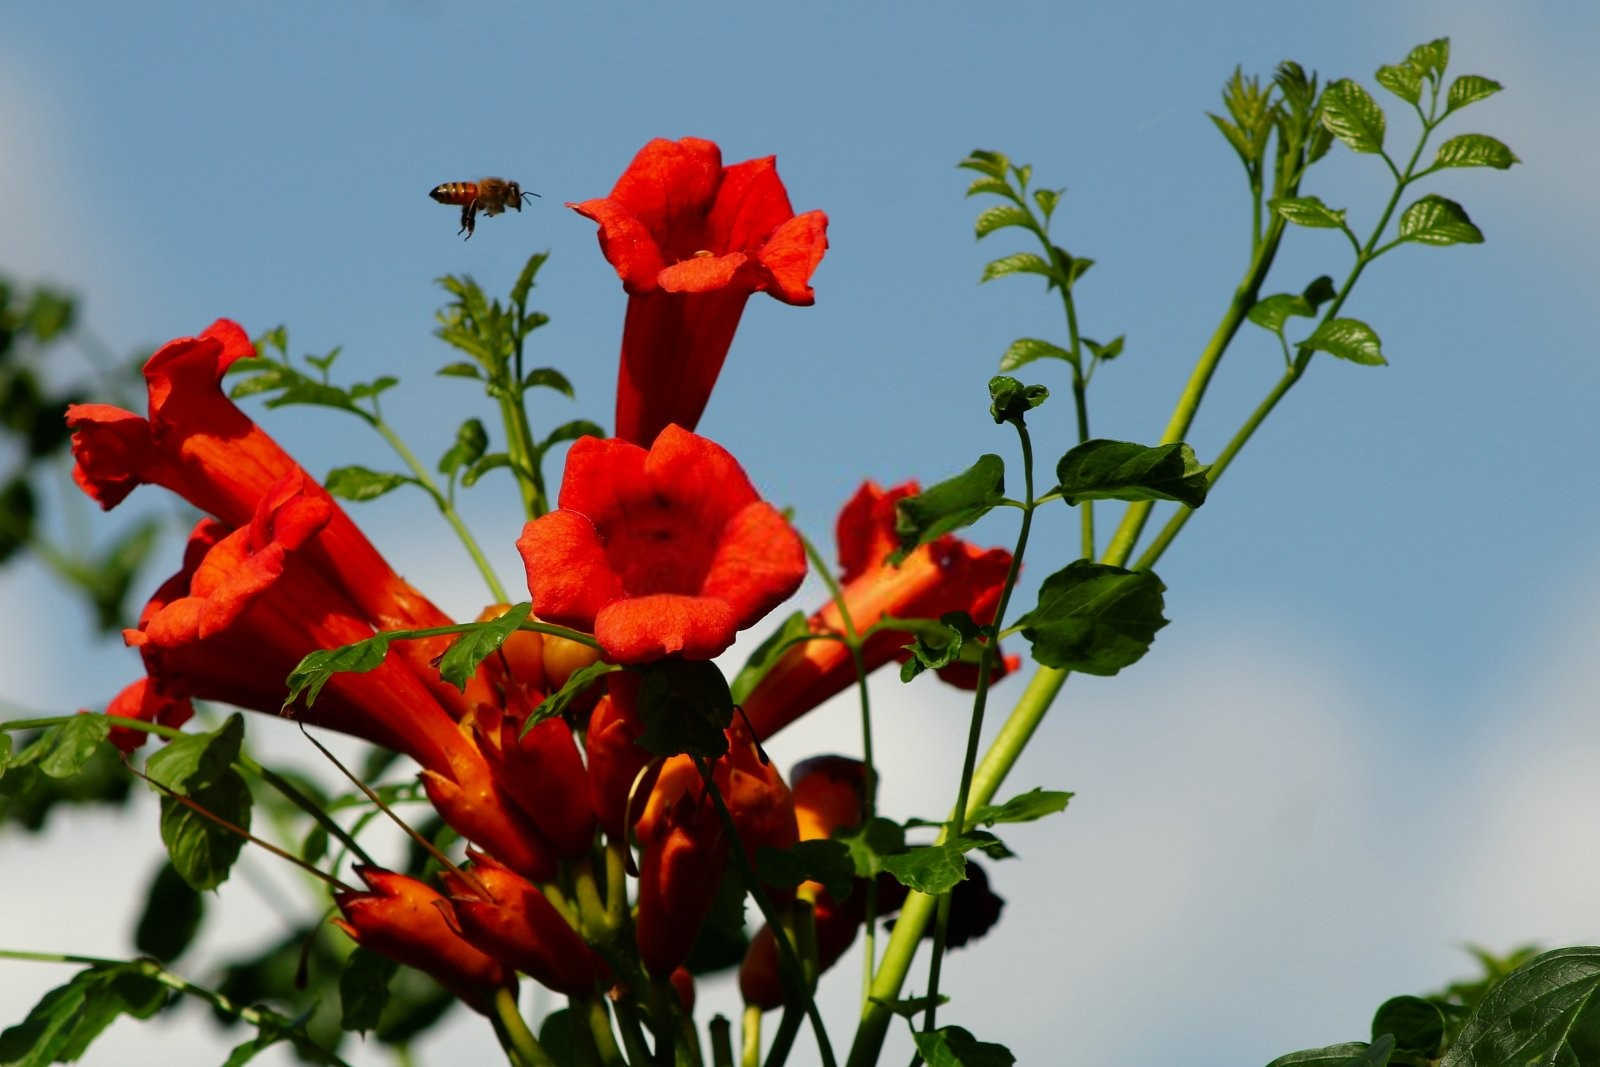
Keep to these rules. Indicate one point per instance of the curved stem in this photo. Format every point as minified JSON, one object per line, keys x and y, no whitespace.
{"x":522,"y":1048}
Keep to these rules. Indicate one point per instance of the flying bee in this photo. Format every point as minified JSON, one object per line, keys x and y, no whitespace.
{"x":489,"y":195}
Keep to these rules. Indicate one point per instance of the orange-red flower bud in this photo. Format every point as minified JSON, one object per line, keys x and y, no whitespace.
{"x":407,"y":921}
{"x":543,"y":774}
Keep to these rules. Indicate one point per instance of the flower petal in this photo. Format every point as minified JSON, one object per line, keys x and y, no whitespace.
{"x":568,"y":573}
{"x":647,"y":628}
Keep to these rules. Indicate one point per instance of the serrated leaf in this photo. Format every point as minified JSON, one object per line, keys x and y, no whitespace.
{"x":1349,"y":339}
{"x":361,"y":483}
{"x":571,"y":431}
{"x":462,"y":369}
{"x":201,"y":849}
{"x":768,"y":653}
{"x":1350,"y":114}
{"x":951,"y":504}
{"x":1123,"y":470}
{"x":460,"y":661}
{"x":314,"y":671}
{"x":556,"y":703}
{"x":1094,"y":618}
{"x":524,"y":282}
{"x":931,"y":869}
{"x":871,"y":843}
{"x":1531,"y":1015}
{"x":984,"y":161}
{"x":993,"y":186}
{"x":1349,"y":1054}
{"x":1010,"y":400}
{"x":1271,"y":312}
{"x":1437,"y":220}
{"x":1475,"y":150}
{"x":1017,"y":263}
{"x":470,"y":443}
{"x":548,"y":378}
{"x":1027,"y":349}
{"x":999,"y":217}
{"x":685,"y":707}
{"x":72,"y":744}
{"x":364,"y":989}
{"x":1025,"y":807}
{"x":1236,"y":137}
{"x":320,"y":394}
{"x":170,"y":918}
{"x":1469,"y":89}
{"x":1403,"y":80}
{"x":951,"y":1046}
{"x":1308,"y":211}
{"x":1432,"y":57}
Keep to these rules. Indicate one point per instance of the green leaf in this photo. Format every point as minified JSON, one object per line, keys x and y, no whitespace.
{"x":1319,"y":291}
{"x":1437,"y":220}
{"x":768,"y":653}
{"x":246,"y":1051}
{"x":556,"y":703}
{"x":1027,"y":349}
{"x":1475,"y":150}
{"x":483,"y":466}
{"x":1403,"y":80}
{"x":951,"y":504}
{"x":571,"y":431}
{"x":1349,"y":1054}
{"x":1094,"y":618}
{"x":1349,"y":339}
{"x":1010,"y":400}
{"x":1432,"y":57}
{"x":472,"y":440}
{"x":1271,"y":312}
{"x":1025,"y":807}
{"x":1417,"y":1025}
{"x":64,"y":1023}
{"x":1469,"y":89}
{"x":548,"y":378}
{"x":361,"y":483}
{"x":364,"y":989}
{"x":1111,"y":350}
{"x":1350,"y":114}
{"x":1047,"y":199}
{"x":201,"y":849}
{"x":685,"y":706}
{"x":460,"y":661}
{"x":1533,"y":1014}
{"x":558,"y":1033}
{"x":993,"y":164}
{"x":951,"y":1046}
{"x":1308,"y":211}
{"x":72,"y":744}
{"x":314,"y":671}
{"x":993,"y":186}
{"x":911,"y":1007}
{"x":938,"y":645}
{"x":460,"y":370}
{"x":1017,"y":263}
{"x":872,"y":843}
{"x":1077,"y":266}
{"x":1000,"y":216}
{"x":524,"y":282}
{"x":196,"y":760}
{"x":1122,"y":470}
{"x":1236,"y":137}
{"x":171,"y":916}
{"x":930,"y":869}
{"x":821,"y":860}
{"x":374,"y":387}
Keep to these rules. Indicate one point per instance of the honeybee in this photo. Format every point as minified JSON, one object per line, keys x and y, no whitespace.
{"x":489,"y":195}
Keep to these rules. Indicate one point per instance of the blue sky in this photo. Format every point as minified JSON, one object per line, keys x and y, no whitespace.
{"x":1378,"y":668}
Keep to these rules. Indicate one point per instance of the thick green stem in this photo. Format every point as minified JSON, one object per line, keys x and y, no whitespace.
{"x":593,"y":1008}
{"x":750,"y":1037}
{"x":522,"y":1048}
{"x":446,"y":508}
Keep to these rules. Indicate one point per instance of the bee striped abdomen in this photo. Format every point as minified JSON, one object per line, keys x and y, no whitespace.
{"x":455,"y":192}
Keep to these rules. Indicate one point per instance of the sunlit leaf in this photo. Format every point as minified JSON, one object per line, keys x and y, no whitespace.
{"x":1349,"y":339}
{"x":1436,"y":220}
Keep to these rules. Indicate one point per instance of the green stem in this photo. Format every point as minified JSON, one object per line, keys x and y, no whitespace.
{"x":632,"y":1029}
{"x":783,"y":1037}
{"x":750,"y":1037}
{"x":721,"y":1041}
{"x":958,"y":817}
{"x":1080,"y":389}
{"x":446,"y":508}
{"x":605,"y":1042}
{"x":522,"y":1048}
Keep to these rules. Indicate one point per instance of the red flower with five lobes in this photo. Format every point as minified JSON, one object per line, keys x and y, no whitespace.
{"x":946,"y":575}
{"x":198,"y":444}
{"x":691,"y":240}
{"x":407,"y":921}
{"x":659,"y":553}
{"x":250,"y":603}
{"x":145,"y":701}
{"x":517,"y":925}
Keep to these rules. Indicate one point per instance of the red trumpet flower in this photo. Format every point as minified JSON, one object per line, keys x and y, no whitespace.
{"x":691,"y":240}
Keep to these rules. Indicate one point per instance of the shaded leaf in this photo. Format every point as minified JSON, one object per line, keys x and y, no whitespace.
{"x":1271,"y":312}
{"x":1349,"y":339}
{"x":789,"y":633}
{"x":317,"y":668}
{"x":571,"y":431}
{"x":685,"y":707}
{"x":1110,"y":350}
{"x":71,"y":745}
{"x":950,"y":504}
{"x":1122,"y":470}
{"x":1094,"y":618}
{"x":873,"y":842}
{"x":1349,"y":1054}
{"x":938,"y":645}
{"x":1531,"y":1016}
{"x":524,"y":282}
{"x":472,"y":440}
{"x":820,"y":860}
{"x":364,"y":989}
{"x":171,"y":916}
{"x":1416,"y":1024}
{"x":1436,"y":220}
{"x":201,"y":849}
{"x":930,"y":869}
{"x":1010,"y":400}
{"x":460,"y":661}
{"x":548,"y":378}
{"x":1025,"y":807}
{"x":360,"y":483}
{"x":951,"y":1046}
{"x":557,"y":703}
